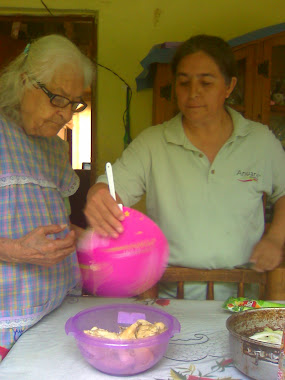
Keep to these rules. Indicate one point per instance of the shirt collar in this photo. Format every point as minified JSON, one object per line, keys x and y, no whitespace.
{"x":174,"y":132}
{"x":241,"y":125}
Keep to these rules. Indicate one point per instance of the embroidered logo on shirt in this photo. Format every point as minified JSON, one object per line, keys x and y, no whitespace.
{"x":247,"y":176}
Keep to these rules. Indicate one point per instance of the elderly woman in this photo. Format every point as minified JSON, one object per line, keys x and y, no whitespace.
{"x":204,"y":173}
{"x":39,"y":92}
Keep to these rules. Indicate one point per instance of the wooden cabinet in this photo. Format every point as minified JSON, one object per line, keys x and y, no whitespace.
{"x":164,"y":105}
{"x":242,"y":98}
{"x":259,"y":94}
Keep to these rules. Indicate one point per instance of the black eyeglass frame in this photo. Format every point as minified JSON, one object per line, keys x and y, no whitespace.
{"x":51,"y":96}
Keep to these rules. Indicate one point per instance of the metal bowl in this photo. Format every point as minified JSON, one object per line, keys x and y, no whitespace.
{"x":256,"y":359}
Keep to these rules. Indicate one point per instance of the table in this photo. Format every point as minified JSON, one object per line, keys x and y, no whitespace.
{"x":45,"y":352}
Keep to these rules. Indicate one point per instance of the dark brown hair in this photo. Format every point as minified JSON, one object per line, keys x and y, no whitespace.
{"x":215,"y":47}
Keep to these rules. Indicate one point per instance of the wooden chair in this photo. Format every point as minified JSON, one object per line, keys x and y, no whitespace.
{"x":181,"y":274}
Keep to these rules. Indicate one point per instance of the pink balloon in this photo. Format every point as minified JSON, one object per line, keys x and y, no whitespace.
{"x":126,"y":266}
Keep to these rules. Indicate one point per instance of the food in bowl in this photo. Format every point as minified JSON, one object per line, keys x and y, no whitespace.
{"x":116,"y":356}
{"x":268,"y":336}
{"x":138,"y":330}
{"x":141,"y":329}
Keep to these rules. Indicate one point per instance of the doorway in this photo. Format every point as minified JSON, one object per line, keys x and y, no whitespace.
{"x":17,"y":31}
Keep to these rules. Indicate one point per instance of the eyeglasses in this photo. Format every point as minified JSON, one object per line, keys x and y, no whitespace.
{"x":61,"y":101}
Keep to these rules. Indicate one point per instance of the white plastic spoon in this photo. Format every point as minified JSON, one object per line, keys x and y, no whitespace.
{"x":111,"y":184}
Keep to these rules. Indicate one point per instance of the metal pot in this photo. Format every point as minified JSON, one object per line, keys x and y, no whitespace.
{"x":256,"y":359}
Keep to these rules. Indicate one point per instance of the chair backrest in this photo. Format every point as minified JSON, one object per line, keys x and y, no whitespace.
{"x":238,"y":276}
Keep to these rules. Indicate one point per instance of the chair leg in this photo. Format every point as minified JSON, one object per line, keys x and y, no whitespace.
{"x":241,"y":289}
{"x":210,"y":290}
{"x":261,"y":293}
{"x":180,"y":290}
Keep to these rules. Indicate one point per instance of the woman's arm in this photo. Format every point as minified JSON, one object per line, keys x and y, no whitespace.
{"x":268,"y":252}
{"x":130,"y":172}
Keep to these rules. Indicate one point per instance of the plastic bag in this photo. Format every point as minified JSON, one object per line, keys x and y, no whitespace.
{"x":240,"y":304}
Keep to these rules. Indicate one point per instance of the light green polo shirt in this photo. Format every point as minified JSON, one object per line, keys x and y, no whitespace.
{"x":211,"y":214}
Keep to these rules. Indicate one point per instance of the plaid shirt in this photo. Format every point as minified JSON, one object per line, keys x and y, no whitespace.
{"x":35,"y":177}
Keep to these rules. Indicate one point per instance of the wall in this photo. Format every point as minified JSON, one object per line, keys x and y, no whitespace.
{"x":127,"y":29}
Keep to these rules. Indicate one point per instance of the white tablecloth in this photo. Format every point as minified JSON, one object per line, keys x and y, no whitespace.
{"x":200,"y":351}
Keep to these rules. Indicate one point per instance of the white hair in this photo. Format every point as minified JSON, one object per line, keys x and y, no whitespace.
{"x":39,"y":60}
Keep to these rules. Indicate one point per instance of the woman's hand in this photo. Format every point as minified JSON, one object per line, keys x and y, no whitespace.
{"x":102,"y":211}
{"x":267,"y":254}
{"x":36,"y":248}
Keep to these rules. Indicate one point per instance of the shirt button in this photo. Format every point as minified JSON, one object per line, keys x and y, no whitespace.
{"x":213,"y":171}
{"x":200,"y":155}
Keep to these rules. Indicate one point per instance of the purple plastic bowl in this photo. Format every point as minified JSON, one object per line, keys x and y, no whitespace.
{"x":121,"y":357}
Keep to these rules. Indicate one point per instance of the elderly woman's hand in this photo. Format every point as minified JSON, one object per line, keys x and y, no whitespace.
{"x":36,"y":248}
{"x":102,"y":212}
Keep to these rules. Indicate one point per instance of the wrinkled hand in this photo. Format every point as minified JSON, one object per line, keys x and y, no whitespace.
{"x":267,"y":254}
{"x":36,"y":248}
{"x":102,"y":212}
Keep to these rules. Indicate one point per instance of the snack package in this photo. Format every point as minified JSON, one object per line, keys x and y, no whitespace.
{"x":240,"y":304}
